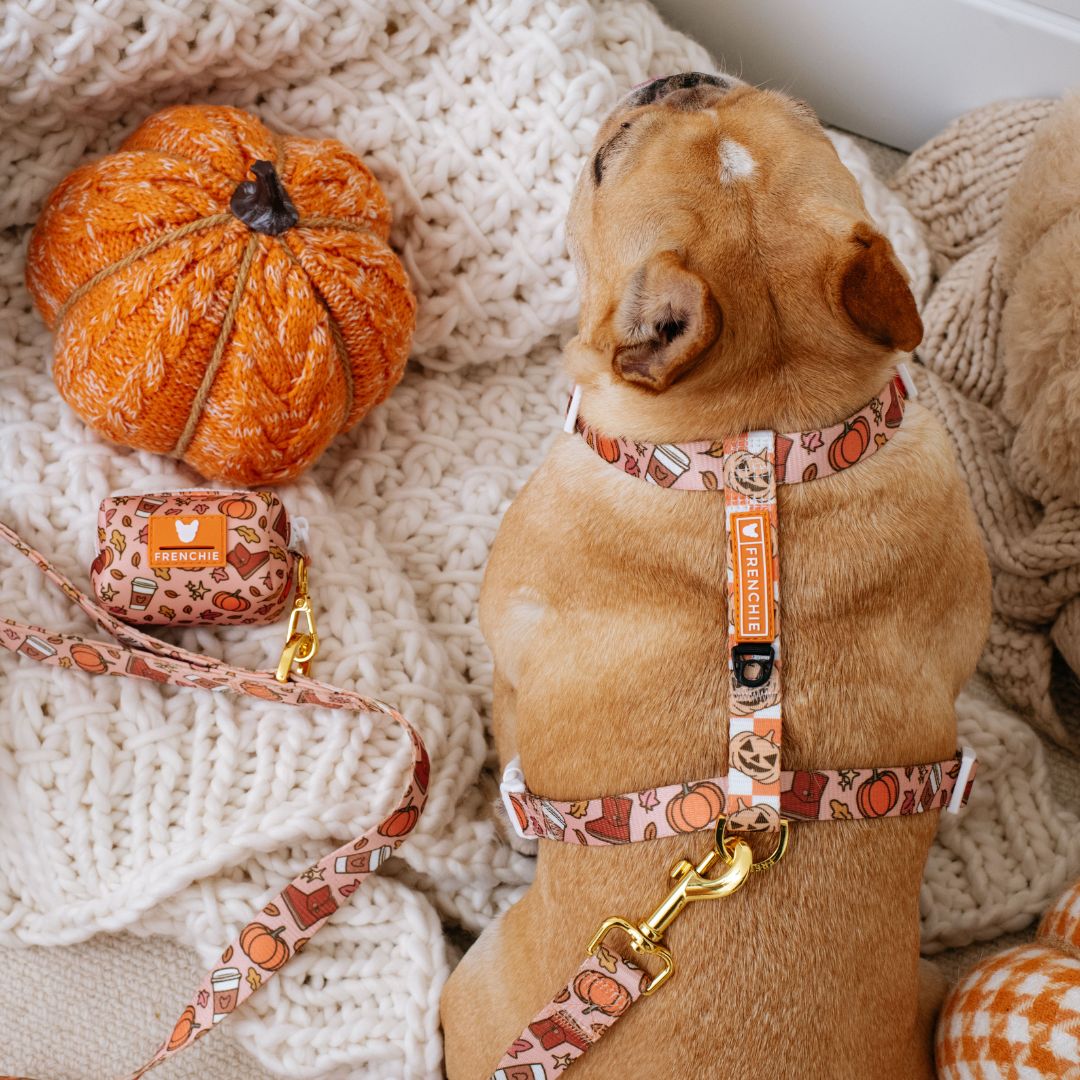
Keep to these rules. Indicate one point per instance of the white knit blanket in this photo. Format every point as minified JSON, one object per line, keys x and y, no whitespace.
{"x":476,"y":118}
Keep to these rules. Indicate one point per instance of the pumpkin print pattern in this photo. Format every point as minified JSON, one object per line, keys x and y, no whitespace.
{"x":289,"y":920}
{"x":797,"y":456}
{"x":678,"y":809}
{"x":600,"y":992}
{"x":251,"y":586}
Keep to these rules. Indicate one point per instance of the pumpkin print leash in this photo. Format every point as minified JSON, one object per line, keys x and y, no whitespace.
{"x":754,"y":795}
{"x":288,"y":922}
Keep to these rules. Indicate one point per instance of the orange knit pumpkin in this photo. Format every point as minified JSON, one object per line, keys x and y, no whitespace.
{"x":222,"y":294}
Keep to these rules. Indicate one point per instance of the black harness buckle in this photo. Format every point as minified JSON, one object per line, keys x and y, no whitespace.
{"x":752,"y":663}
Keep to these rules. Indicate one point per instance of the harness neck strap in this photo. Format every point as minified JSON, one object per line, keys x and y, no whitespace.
{"x":798,"y":455}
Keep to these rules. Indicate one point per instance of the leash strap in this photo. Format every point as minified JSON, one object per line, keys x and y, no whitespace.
{"x":753,"y":584}
{"x":288,"y":922}
{"x":576,"y":1018}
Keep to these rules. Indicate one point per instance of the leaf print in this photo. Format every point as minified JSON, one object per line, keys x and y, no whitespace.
{"x":909,"y":802}
{"x":101,"y":536}
{"x":278,"y":553}
{"x":200,"y":508}
{"x":136,"y":559}
{"x":219,"y":573}
{"x":202,"y":999}
{"x":630,"y":465}
{"x":126,"y":521}
{"x":172,"y":594}
{"x":168,"y":612}
{"x":716,"y":450}
{"x":248,"y":533}
{"x":300,"y":945}
{"x":579,"y":809}
{"x":811,"y":441}
{"x":840,"y":810}
{"x":116,"y":575}
{"x":272,"y":910}
{"x":254,"y":979}
{"x":709,"y":480}
{"x":580,"y":836}
{"x":561,"y":996}
{"x":163,"y":572}
{"x":648,"y":799}
{"x":116,"y":538}
{"x":518,"y":1046}
{"x":65,"y":661}
{"x":607,"y":960}
{"x":650,"y":831}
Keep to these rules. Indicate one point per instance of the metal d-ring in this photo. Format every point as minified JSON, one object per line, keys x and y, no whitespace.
{"x":723,"y":841}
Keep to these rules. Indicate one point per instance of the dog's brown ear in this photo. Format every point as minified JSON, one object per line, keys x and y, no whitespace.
{"x":666,"y":320}
{"x":874,"y":292}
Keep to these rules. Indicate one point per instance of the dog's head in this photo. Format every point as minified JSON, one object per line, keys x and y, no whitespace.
{"x":720,"y":241}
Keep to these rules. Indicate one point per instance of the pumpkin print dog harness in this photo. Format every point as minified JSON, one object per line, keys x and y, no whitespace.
{"x":755,"y":795}
{"x":288,"y":921}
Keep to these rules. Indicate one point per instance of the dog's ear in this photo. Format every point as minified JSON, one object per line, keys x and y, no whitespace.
{"x":665,"y":321}
{"x":874,"y":291}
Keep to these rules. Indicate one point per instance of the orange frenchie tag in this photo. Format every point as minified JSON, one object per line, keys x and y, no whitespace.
{"x":753,"y":571}
{"x":187,"y":542}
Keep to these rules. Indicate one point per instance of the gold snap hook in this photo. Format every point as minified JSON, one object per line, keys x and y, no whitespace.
{"x":692,"y":883}
{"x":301,"y":643}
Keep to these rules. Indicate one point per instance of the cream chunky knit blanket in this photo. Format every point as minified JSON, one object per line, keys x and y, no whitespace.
{"x":476,"y":117}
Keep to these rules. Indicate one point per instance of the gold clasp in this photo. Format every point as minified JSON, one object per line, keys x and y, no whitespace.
{"x":301,"y":645}
{"x":691,"y":884}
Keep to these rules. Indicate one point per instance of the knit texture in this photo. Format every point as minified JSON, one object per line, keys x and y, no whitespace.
{"x":237,"y":324}
{"x":1002,"y":216}
{"x":475,"y":119}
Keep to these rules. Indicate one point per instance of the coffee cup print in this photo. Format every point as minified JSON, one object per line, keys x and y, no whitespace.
{"x":142,"y":592}
{"x":147,"y":505}
{"x":520,"y":1072}
{"x":36,"y":648}
{"x":363,"y":862}
{"x":225,"y":983}
{"x":666,"y":465}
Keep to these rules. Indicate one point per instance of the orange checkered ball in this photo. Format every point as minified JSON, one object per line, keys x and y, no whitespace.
{"x":1018,"y":1013}
{"x":222,"y":294}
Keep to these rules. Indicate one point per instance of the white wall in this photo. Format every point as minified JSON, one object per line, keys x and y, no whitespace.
{"x":895,"y":70}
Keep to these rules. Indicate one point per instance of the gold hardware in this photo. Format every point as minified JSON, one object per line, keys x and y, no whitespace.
{"x":722,"y":841}
{"x":301,"y":645}
{"x":691,"y":884}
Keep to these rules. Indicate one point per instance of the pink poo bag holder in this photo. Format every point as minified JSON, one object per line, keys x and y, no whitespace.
{"x":285,"y":925}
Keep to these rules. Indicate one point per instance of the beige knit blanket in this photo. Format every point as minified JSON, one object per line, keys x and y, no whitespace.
{"x":997,"y":196}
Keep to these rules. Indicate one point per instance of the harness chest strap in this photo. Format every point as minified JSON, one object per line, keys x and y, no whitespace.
{"x":755,"y":794}
{"x":289,"y":920}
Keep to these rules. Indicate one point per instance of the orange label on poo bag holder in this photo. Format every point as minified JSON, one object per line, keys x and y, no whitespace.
{"x":187,"y":542}
{"x":753,"y":573}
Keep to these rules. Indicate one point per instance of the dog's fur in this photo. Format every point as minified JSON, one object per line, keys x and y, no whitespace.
{"x":731,"y":280}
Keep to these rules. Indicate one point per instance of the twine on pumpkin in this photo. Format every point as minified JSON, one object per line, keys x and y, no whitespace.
{"x":218,"y":354}
{"x":139,"y":253}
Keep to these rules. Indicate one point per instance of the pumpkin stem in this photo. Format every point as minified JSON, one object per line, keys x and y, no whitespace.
{"x":263,"y":204}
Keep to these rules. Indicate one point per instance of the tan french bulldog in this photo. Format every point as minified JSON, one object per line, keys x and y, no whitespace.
{"x":731,"y":280}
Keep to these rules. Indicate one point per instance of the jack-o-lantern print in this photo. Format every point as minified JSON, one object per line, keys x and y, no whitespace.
{"x":756,"y":756}
{"x":749,"y":474}
{"x":751,"y":699}
{"x":759,"y":818}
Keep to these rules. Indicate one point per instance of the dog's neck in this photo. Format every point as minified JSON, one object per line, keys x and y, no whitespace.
{"x":785,"y":396}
